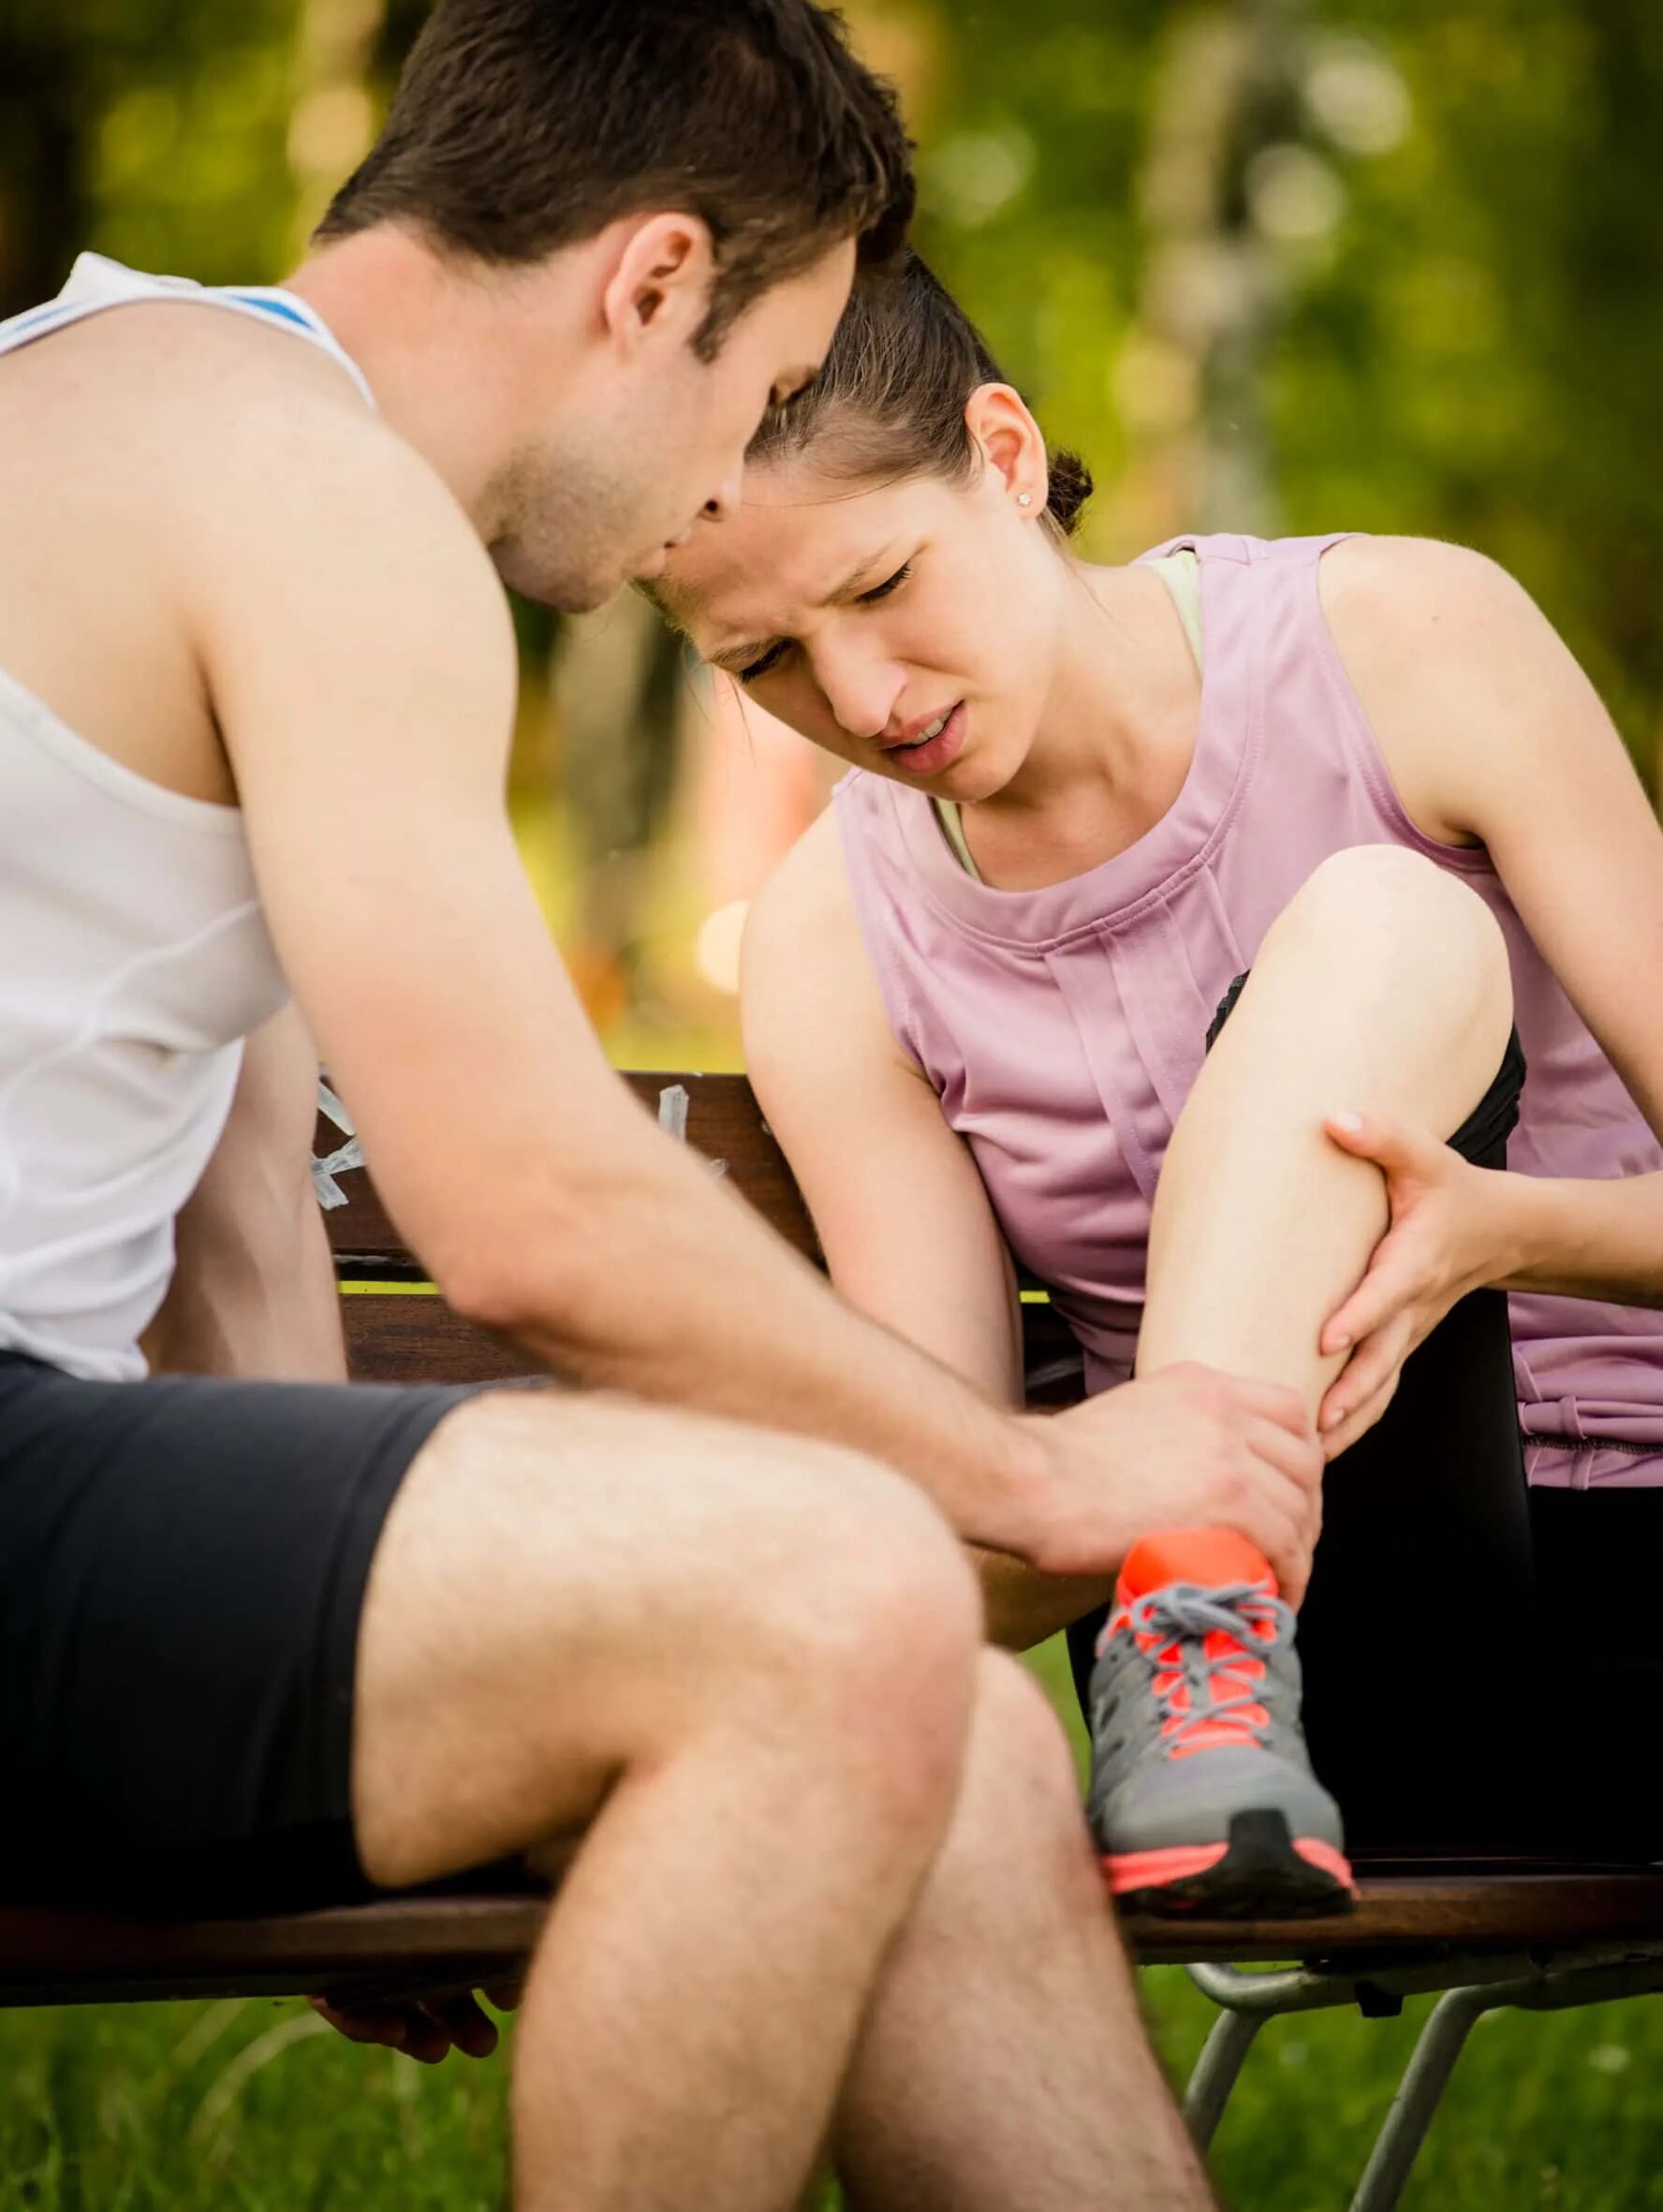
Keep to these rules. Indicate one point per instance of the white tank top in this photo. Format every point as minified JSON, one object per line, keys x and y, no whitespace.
{"x":134,"y":959}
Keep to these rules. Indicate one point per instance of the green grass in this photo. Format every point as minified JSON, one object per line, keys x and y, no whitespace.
{"x":250,"y":2106}
{"x":242,"y":2107}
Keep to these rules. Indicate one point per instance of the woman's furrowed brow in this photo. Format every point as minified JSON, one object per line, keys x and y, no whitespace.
{"x":739,"y":653}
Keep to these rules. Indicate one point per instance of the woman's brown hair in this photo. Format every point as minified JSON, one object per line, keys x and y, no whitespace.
{"x":890,"y":399}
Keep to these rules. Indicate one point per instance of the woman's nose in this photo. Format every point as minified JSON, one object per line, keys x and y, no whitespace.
{"x":861,"y":689}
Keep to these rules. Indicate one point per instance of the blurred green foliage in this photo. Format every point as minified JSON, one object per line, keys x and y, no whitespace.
{"x":1443,"y":218}
{"x":1271,"y":265}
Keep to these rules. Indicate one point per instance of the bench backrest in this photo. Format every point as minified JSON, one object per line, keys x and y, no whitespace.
{"x":396,"y":1332}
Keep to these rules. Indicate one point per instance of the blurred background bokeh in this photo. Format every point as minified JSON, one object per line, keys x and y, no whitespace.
{"x":1275,"y":265}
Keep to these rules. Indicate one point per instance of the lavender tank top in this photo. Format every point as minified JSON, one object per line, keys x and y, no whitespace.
{"x":1061,"y":1027}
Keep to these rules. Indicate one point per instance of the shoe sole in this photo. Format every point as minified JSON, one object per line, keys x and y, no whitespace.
{"x":1260,"y":1873}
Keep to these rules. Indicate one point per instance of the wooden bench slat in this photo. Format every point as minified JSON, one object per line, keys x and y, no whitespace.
{"x":389,"y":1340}
{"x":48,"y":1955}
{"x":392,"y":1338}
{"x":724,"y":1122}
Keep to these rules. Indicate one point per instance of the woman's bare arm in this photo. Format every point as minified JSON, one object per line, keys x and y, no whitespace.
{"x":905,"y":1225}
{"x":1494,"y":736}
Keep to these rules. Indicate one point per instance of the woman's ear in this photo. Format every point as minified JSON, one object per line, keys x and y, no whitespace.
{"x":1010,"y":443}
{"x":659,"y":285}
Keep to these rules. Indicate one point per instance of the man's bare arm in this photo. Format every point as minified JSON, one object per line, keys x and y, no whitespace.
{"x":359,"y":653}
{"x":254,"y":1289}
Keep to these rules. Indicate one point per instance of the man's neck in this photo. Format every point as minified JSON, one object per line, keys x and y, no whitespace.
{"x":433,"y":342}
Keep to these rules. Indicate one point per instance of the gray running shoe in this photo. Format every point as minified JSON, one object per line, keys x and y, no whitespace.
{"x":1203,"y":1800}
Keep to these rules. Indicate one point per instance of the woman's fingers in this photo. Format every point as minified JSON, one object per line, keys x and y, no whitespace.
{"x":1371,"y":1366}
{"x":1394,"y":1279}
{"x":1359,"y":1423}
{"x":462,"y":2023}
{"x":1391,"y":1144}
{"x":390,"y":2025}
{"x":425,"y":2032}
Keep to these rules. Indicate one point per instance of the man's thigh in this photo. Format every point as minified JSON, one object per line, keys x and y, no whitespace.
{"x":181,"y":1570}
{"x":571,"y":1585}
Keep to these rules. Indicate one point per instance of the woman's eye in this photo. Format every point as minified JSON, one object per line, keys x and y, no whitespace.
{"x":760,"y":666}
{"x":882,"y":591}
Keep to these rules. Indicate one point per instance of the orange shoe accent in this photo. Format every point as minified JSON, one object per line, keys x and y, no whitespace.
{"x":1153,"y":1870}
{"x":1325,"y":1857}
{"x":1178,"y":1862}
{"x":1210,"y":1557}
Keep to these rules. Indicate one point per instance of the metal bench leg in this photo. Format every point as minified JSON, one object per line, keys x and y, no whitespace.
{"x":1424,"y":2080}
{"x":1550,"y":1990}
{"x":1229,"y":2041}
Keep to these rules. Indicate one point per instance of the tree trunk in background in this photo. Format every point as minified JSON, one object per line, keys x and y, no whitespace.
{"x":338,"y":44}
{"x":1189,"y":376}
{"x":44,"y":101}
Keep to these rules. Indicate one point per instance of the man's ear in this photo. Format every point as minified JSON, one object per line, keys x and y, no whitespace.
{"x":1010,"y":441}
{"x":660,"y":284}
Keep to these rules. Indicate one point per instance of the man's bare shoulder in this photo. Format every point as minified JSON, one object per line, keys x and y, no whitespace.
{"x":187,"y":481}
{"x":209,"y":425}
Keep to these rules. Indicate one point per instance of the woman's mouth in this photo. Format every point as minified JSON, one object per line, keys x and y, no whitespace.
{"x":937,"y":743}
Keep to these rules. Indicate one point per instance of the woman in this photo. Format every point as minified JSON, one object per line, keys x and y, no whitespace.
{"x":1086,"y":801}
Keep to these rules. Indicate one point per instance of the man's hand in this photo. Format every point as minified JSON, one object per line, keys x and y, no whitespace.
{"x":427,"y":2030}
{"x":1185,"y":1448}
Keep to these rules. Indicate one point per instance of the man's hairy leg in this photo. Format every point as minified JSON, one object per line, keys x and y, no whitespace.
{"x":742,"y":1665}
{"x":1004,"y":2062}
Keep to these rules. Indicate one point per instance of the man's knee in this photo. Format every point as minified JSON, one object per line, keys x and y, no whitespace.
{"x":880,"y":1625}
{"x":584,"y":1586}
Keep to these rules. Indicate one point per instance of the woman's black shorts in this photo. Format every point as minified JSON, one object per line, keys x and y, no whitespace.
{"x":183,"y":1563}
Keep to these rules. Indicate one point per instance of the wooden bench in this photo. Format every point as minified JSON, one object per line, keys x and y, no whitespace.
{"x":1524,"y":1934}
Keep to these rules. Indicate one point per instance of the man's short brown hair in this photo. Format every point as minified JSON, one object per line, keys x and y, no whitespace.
{"x":523,"y":126}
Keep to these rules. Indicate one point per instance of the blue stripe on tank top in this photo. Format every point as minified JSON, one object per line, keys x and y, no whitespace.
{"x":34,"y":315}
{"x":280,"y":308}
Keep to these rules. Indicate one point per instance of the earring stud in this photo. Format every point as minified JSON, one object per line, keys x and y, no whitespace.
{"x":1024,"y":499}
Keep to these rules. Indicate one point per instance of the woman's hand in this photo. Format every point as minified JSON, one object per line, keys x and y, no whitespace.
{"x":1443,"y":1240}
{"x":426,"y":2029}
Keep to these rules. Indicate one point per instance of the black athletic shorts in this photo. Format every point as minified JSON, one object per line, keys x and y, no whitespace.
{"x":181,"y":1566}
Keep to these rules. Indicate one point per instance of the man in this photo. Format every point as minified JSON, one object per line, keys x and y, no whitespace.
{"x":268,"y":1641}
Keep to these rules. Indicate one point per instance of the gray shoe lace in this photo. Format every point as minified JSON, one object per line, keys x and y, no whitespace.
{"x":1184,"y":1614}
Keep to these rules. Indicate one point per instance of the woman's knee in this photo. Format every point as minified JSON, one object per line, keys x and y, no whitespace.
{"x":1404,"y":916}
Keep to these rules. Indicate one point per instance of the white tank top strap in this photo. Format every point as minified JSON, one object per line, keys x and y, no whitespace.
{"x":96,"y":283}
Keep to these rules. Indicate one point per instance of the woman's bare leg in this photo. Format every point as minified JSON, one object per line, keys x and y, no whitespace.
{"x":1383,"y":988}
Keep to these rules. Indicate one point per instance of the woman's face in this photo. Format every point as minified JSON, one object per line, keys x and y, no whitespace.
{"x":910,"y":628}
